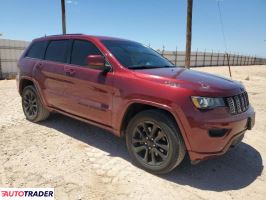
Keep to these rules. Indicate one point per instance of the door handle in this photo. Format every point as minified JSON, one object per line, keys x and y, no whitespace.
{"x":39,"y":66}
{"x":69,"y":71}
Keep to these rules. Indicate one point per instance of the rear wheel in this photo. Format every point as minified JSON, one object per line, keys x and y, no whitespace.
{"x":32,"y":106}
{"x":154,"y":141}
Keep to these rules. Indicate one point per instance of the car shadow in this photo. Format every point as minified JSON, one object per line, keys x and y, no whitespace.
{"x":236,"y":169}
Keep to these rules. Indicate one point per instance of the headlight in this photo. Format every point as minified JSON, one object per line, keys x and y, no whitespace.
{"x":207,"y":102}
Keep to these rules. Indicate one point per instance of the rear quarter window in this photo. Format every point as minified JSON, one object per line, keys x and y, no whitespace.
{"x":37,"y":50}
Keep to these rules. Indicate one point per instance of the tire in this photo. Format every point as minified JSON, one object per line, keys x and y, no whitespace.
{"x":154,"y":141}
{"x":32,"y":106}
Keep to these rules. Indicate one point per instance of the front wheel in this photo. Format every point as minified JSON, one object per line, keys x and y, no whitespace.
{"x":154,"y":141}
{"x":32,"y":106}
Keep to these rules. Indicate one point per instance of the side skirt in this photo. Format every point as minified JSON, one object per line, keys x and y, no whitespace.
{"x":108,"y":128}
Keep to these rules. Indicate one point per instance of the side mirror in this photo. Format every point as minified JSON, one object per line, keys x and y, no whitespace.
{"x":97,"y":62}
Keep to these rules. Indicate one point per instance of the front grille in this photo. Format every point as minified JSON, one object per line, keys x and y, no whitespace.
{"x":237,"y":104}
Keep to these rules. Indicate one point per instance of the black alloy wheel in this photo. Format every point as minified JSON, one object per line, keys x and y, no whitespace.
{"x":154,"y":141}
{"x":32,"y":106}
{"x":150,"y":143}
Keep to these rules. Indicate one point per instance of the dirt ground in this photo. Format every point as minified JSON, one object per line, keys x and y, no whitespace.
{"x":84,"y":162}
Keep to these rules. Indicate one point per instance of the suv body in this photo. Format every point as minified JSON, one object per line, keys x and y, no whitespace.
{"x":110,"y":96}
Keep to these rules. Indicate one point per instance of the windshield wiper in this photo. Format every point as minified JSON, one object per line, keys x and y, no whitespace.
{"x":169,"y":66}
{"x":147,"y":67}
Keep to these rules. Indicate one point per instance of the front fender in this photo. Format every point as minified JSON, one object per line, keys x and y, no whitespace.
{"x":169,"y":107}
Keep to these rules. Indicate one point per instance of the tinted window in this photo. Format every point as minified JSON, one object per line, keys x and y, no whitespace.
{"x":81,"y":49}
{"x":37,"y":50}
{"x":136,"y":56}
{"x":57,"y":51}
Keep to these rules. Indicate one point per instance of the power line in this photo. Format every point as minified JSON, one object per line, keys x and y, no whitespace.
{"x":224,"y":38}
{"x":221,"y":24}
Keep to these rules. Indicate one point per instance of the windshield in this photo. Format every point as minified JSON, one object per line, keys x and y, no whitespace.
{"x":135,"y":56}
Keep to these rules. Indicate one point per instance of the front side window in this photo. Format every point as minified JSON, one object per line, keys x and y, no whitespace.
{"x":135,"y":56}
{"x":57,"y":51}
{"x":37,"y":50}
{"x":81,"y":49}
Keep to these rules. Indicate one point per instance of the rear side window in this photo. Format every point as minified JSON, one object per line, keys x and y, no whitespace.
{"x":81,"y":49}
{"x":57,"y":51}
{"x":37,"y":50}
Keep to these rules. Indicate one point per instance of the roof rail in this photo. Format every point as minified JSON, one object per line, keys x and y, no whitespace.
{"x":64,"y":34}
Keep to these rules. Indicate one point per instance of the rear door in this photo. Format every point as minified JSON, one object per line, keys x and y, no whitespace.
{"x":33,"y":58}
{"x":89,"y":91}
{"x":51,"y":74}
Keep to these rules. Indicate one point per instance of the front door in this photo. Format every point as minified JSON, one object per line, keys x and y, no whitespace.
{"x":88,"y":91}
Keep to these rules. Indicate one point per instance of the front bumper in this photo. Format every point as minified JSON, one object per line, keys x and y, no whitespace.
{"x":199,"y":156}
{"x":204,"y":146}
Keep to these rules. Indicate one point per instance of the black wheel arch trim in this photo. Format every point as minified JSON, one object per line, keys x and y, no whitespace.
{"x":156,"y":105}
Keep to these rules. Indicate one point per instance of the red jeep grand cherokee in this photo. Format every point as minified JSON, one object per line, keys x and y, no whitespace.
{"x":163,"y":111}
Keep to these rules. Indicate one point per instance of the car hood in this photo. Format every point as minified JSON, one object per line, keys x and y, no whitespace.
{"x":195,"y":80}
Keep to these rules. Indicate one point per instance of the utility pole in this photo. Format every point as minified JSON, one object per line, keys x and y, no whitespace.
{"x":1,"y":74}
{"x":189,"y":33}
{"x":63,"y":16}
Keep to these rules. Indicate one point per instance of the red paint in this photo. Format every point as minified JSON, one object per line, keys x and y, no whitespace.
{"x":96,"y":60}
{"x":103,"y":98}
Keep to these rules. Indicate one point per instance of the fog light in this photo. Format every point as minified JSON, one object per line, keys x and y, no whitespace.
{"x":217,"y":132}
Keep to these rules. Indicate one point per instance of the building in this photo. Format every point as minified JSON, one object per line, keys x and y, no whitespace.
{"x":10,"y":51}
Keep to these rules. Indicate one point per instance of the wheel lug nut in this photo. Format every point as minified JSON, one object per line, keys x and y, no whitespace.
{"x":146,"y":143}
{"x":149,"y":147}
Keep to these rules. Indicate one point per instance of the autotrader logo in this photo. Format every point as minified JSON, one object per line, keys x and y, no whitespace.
{"x":26,"y":193}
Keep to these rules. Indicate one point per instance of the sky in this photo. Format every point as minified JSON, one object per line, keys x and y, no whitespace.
{"x":155,"y":22}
